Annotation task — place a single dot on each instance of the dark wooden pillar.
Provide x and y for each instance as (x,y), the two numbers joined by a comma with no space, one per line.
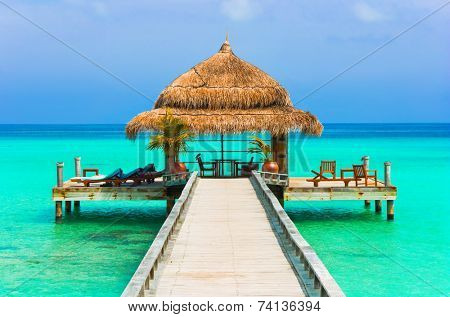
(280,152)
(170,204)
(278,191)
(68,204)
(390,209)
(377,206)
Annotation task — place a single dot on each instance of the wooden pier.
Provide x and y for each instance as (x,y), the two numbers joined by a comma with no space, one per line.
(230,238)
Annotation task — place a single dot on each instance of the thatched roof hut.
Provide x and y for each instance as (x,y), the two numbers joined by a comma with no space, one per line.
(225,94)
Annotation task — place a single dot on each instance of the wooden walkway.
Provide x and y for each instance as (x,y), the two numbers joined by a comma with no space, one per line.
(225,247)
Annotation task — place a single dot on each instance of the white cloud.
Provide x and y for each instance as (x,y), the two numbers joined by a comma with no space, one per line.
(240,9)
(366,13)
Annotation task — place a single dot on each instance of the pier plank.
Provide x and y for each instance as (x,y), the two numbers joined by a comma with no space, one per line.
(226,247)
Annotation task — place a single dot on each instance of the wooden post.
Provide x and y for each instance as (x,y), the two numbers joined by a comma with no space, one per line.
(387,174)
(59,183)
(58,210)
(76,204)
(280,152)
(378,206)
(77,166)
(387,183)
(68,204)
(390,209)
(59,174)
(365,160)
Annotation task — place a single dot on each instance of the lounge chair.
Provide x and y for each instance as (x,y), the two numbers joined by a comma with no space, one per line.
(360,172)
(328,167)
(139,175)
(136,173)
(109,180)
(246,169)
(204,169)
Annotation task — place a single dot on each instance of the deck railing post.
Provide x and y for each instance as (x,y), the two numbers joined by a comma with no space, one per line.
(365,160)
(59,174)
(387,174)
(77,166)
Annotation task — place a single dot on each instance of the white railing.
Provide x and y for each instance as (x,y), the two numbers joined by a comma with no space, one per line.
(145,273)
(323,281)
(275,178)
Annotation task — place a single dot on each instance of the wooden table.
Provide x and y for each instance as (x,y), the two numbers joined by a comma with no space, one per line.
(220,166)
(345,170)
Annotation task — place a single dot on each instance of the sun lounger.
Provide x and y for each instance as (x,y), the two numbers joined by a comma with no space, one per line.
(109,180)
(146,174)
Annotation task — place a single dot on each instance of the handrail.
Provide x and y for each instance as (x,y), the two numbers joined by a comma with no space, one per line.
(311,261)
(145,273)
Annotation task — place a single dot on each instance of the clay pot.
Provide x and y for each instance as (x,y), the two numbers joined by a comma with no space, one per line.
(179,167)
(270,167)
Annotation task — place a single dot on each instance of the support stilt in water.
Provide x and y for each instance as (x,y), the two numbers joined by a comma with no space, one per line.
(365,160)
(278,191)
(76,205)
(390,209)
(377,206)
(169,206)
(59,183)
(58,210)
(68,204)
(387,183)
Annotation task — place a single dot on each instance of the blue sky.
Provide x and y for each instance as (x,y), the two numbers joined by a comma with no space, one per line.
(300,43)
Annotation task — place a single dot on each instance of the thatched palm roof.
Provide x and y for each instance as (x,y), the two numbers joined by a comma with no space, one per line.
(225,94)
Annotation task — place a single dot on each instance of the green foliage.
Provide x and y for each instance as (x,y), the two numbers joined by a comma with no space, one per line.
(262,148)
(172,137)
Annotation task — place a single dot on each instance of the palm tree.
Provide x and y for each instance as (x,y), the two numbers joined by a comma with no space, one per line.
(262,148)
(172,139)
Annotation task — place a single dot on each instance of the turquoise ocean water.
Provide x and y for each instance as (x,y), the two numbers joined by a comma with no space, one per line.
(95,252)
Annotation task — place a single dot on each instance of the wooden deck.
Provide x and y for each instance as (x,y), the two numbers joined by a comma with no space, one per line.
(72,191)
(300,189)
(226,247)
